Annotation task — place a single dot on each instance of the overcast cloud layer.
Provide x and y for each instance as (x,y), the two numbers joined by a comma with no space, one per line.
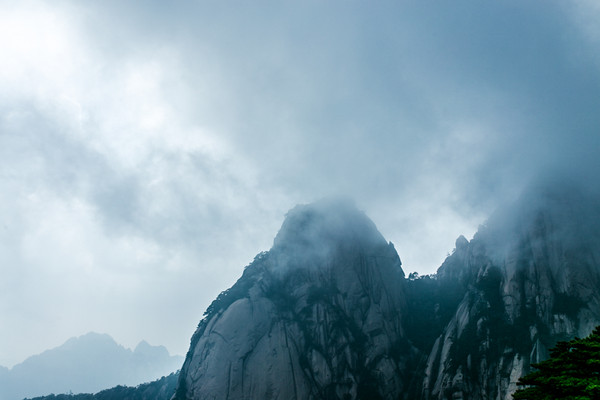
(149,150)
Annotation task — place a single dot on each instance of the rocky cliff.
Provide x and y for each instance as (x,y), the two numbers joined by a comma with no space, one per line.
(530,277)
(318,316)
(328,314)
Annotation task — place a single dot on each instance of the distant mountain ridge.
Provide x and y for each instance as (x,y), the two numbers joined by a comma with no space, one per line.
(85,364)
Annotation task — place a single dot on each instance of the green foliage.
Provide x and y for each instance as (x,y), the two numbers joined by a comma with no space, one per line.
(240,288)
(433,304)
(567,304)
(572,372)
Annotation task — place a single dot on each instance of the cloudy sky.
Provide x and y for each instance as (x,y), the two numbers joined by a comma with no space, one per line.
(148,150)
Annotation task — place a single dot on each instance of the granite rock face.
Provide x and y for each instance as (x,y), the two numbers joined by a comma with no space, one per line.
(531,278)
(318,316)
(328,314)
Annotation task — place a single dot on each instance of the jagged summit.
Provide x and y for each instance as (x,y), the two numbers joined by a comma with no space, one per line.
(557,210)
(556,213)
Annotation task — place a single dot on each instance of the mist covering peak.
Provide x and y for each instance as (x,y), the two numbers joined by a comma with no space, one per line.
(558,211)
(325,226)
(328,313)
(320,315)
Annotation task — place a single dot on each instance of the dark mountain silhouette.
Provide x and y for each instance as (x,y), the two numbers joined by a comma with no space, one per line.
(161,389)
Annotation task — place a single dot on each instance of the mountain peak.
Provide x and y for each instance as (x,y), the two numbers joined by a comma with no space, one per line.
(318,316)
(461,242)
(324,226)
(327,313)
(147,350)
(142,346)
(90,340)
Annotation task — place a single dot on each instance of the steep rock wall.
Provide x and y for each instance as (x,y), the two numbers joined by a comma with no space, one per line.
(532,278)
(318,316)
(328,314)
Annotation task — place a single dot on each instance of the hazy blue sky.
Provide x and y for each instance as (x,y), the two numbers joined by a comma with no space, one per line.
(149,150)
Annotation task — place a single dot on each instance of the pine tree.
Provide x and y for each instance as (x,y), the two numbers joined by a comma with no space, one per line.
(572,372)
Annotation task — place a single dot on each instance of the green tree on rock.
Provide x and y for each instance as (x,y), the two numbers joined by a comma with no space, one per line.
(572,372)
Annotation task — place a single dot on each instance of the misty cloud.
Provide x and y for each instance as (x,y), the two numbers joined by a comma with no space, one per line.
(148,152)
(314,235)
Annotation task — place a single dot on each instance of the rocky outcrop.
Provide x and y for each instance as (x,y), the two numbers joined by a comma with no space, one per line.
(318,316)
(532,278)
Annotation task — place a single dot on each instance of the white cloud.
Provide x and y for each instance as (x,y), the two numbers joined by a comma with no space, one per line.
(150,151)
(37,47)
